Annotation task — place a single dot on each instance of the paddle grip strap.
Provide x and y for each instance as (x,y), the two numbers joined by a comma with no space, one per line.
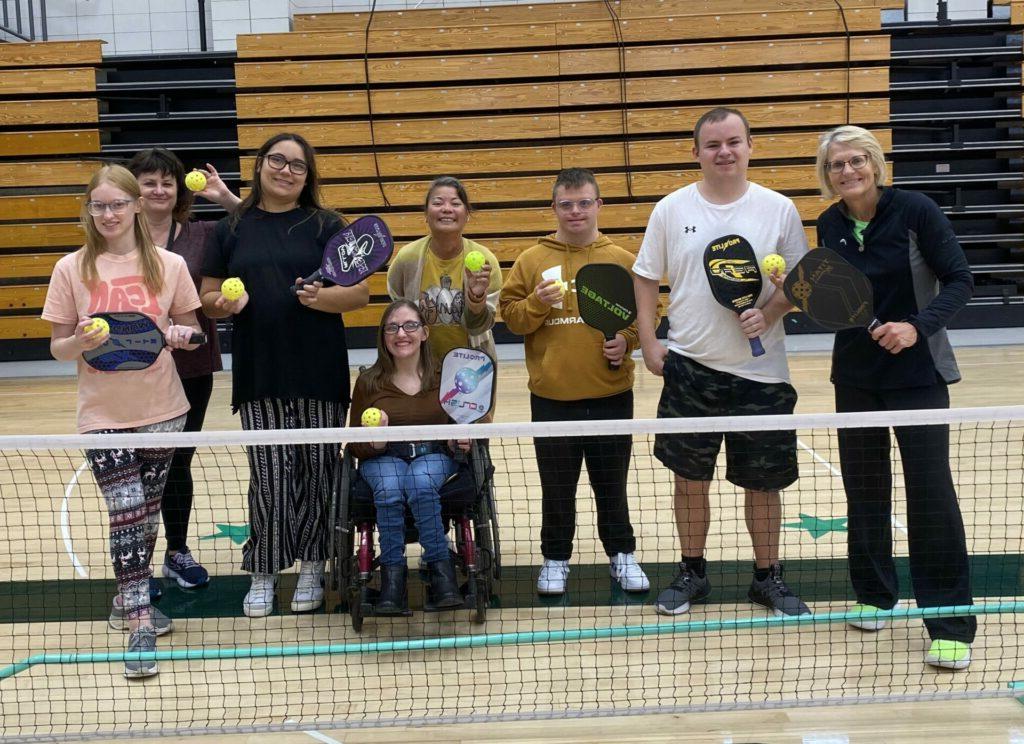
(756,349)
(314,277)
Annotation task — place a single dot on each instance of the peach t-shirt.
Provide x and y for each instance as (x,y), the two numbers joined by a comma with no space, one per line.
(123,400)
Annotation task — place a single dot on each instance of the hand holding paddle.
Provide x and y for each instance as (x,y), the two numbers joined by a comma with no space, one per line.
(607,303)
(351,255)
(134,342)
(735,280)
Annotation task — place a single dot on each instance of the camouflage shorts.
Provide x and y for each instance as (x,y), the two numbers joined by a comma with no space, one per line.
(760,460)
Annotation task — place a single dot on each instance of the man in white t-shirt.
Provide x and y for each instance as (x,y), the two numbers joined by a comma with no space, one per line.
(708,366)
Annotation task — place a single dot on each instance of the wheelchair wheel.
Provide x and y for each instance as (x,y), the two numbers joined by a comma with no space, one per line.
(355,607)
(487,524)
(339,534)
(483,599)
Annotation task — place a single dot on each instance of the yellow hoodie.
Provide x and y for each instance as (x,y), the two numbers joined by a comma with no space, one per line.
(563,355)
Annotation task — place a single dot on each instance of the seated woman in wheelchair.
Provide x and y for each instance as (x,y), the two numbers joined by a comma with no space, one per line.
(403,383)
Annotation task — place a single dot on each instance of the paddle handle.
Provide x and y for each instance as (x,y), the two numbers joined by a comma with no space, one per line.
(197,337)
(756,349)
(315,276)
(874,324)
(611,365)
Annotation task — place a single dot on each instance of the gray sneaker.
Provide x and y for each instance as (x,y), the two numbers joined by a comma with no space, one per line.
(143,639)
(162,625)
(685,588)
(775,595)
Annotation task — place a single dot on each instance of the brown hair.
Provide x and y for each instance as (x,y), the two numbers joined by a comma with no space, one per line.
(310,199)
(575,178)
(715,115)
(164,162)
(383,370)
(120,178)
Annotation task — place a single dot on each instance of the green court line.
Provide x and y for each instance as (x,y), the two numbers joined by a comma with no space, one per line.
(503,639)
(815,580)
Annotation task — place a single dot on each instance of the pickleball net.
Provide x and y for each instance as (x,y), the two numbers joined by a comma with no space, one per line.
(596,649)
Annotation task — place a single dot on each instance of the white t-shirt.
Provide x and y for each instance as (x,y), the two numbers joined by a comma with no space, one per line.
(681,226)
(125,399)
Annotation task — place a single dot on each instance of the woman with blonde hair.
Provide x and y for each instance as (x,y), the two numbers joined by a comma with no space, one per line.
(120,270)
(907,248)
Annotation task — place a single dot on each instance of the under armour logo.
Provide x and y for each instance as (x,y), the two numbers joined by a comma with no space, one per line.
(689,228)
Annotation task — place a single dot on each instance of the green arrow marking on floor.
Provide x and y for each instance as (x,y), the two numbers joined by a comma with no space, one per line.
(817,527)
(238,534)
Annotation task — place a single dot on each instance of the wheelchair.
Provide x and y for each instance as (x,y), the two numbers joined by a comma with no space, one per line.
(467,509)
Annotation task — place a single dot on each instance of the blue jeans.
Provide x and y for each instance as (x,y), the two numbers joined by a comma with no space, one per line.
(396,482)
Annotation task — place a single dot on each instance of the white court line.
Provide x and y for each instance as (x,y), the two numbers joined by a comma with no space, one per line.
(316,734)
(65,528)
(322,737)
(832,468)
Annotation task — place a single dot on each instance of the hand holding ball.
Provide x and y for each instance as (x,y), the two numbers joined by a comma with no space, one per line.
(773,263)
(232,289)
(371,417)
(100,324)
(475,261)
(195,181)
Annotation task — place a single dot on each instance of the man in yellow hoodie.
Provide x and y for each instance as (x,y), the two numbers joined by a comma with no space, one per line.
(538,301)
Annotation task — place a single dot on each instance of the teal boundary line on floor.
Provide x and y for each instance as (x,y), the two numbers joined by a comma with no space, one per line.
(505,639)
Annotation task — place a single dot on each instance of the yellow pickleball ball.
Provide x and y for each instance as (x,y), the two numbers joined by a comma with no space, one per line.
(773,263)
(563,286)
(371,417)
(232,288)
(195,181)
(475,260)
(98,323)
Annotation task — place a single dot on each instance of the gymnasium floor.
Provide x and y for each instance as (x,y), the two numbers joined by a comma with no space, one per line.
(702,669)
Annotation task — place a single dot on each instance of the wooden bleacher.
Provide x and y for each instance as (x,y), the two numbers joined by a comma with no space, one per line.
(49,114)
(504,97)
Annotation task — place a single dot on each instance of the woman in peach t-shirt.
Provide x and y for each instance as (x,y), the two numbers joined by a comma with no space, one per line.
(120,270)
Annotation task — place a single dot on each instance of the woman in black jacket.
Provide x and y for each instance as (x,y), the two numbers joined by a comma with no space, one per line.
(907,248)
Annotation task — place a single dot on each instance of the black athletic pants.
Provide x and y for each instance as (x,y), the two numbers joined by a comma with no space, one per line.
(939,567)
(559,460)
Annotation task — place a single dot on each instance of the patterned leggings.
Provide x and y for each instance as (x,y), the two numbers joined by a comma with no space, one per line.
(132,482)
(289,485)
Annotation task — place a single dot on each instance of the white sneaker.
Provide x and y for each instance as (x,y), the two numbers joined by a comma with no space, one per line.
(868,619)
(627,572)
(309,589)
(553,575)
(259,602)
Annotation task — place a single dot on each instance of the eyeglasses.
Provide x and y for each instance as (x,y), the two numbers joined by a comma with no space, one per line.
(118,206)
(278,162)
(568,206)
(856,162)
(409,326)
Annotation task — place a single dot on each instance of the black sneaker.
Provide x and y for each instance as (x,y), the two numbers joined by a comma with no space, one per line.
(685,588)
(775,595)
(184,569)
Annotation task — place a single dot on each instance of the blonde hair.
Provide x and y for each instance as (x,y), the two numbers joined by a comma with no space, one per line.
(95,244)
(857,137)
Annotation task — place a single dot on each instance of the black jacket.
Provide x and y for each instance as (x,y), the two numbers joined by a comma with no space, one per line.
(919,274)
